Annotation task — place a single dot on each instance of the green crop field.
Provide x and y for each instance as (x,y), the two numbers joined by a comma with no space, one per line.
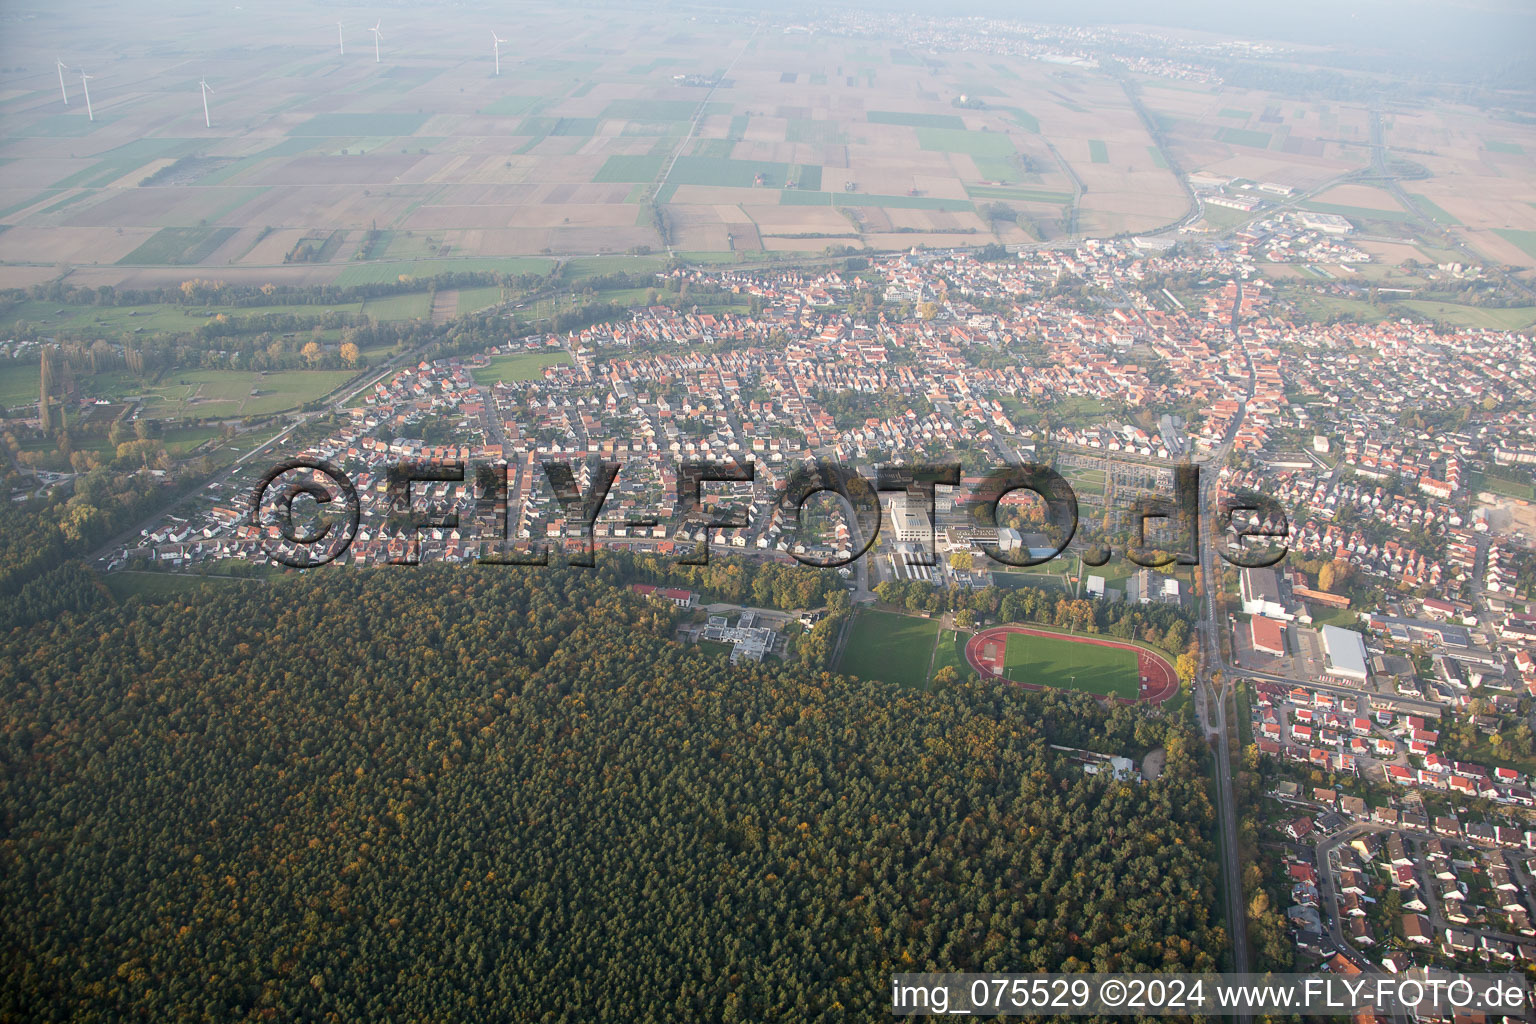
(410,306)
(567,127)
(1526,240)
(1067,664)
(803,129)
(382,273)
(472,300)
(1019,195)
(180,442)
(58,126)
(998,168)
(361,125)
(642,167)
(162,317)
(950,140)
(1508,318)
(583,268)
(1024,119)
(514,106)
(519,366)
(1244,137)
(1503,147)
(945,121)
(891,648)
(201,393)
(20,382)
(1157,157)
(659,110)
(116,162)
(1241,115)
(1435,212)
(1098,152)
(179,246)
(1361,212)
(795,197)
(228,392)
(708,170)
(899,202)
(720,148)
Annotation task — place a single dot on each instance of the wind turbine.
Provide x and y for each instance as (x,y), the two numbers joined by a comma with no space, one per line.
(84,78)
(341,42)
(496,42)
(61,80)
(376,37)
(206,90)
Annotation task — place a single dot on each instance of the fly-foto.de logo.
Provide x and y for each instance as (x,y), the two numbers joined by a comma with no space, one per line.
(327,536)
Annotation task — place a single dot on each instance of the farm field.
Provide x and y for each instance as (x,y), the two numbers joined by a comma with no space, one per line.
(1513,318)
(1482,179)
(474,299)
(889,647)
(172,318)
(323,167)
(411,306)
(228,393)
(326,167)
(188,393)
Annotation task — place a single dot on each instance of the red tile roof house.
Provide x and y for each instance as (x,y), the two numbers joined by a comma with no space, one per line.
(1298,828)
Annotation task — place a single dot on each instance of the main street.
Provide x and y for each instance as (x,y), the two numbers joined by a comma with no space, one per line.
(1212,690)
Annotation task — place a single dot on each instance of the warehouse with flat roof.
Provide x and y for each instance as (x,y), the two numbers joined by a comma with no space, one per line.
(1345,650)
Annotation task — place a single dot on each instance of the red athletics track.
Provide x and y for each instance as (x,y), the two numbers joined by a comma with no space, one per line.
(986,650)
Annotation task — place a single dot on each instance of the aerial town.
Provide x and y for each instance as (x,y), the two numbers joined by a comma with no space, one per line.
(1384,688)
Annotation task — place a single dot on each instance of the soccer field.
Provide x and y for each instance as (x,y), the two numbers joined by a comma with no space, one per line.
(1068,664)
(890,648)
(518,366)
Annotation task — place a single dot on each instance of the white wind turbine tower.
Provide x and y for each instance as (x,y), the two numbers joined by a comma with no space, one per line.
(207,123)
(341,42)
(61,81)
(496,42)
(84,78)
(376,38)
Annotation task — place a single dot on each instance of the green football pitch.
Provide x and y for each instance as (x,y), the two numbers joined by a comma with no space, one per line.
(1067,664)
(891,648)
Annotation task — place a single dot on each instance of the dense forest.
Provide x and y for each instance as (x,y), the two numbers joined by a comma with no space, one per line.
(457,794)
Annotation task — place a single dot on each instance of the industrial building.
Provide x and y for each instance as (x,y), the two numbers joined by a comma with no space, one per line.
(909,520)
(1327,223)
(1345,650)
(1261,595)
(1268,635)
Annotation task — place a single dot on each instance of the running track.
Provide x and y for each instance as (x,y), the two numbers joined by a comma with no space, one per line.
(1159,681)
